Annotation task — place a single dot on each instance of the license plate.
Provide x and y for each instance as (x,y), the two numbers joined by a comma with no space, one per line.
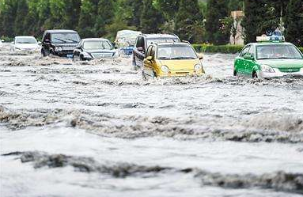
(69,55)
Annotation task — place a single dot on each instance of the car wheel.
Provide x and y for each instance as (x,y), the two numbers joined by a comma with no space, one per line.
(144,76)
(82,58)
(235,73)
(255,75)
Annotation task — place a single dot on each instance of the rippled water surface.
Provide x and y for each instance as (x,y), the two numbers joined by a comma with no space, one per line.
(97,129)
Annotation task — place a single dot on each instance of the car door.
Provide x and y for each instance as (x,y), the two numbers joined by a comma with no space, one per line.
(139,51)
(78,50)
(46,42)
(148,64)
(250,63)
(240,63)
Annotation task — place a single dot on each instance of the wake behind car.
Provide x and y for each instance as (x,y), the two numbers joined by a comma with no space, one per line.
(172,60)
(59,42)
(94,48)
(25,43)
(269,60)
(144,41)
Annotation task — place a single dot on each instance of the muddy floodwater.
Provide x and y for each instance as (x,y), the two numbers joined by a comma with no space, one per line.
(97,129)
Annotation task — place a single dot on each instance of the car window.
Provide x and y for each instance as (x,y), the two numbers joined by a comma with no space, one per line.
(245,50)
(278,52)
(140,42)
(251,50)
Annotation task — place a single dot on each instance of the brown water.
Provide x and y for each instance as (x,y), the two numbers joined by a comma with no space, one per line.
(98,129)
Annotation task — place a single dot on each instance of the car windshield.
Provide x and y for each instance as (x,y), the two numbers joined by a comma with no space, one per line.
(26,41)
(173,52)
(278,52)
(161,40)
(97,45)
(65,38)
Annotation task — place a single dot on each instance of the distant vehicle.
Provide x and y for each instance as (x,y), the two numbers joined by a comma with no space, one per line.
(143,41)
(125,41)
(25,43)
(269,59)
(59,42)
(94,48)
(1,42)
(172,60)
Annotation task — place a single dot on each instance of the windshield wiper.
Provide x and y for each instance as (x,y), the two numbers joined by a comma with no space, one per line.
(72,40)
(60,39)
(164,58)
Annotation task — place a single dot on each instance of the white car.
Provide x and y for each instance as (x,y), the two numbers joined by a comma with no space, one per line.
(1,42)
(25,43)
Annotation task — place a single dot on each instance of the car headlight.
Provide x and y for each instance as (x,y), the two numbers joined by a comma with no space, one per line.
(86,55)
(198,67)
(58,49)
(165,69)
(268,69)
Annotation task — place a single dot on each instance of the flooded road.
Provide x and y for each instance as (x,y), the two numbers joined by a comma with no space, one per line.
(97,129)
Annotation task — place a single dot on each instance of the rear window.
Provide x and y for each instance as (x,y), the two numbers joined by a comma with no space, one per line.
(161,40)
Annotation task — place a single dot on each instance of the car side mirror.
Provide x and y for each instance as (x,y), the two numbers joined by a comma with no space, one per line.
(200,56)
(249,56)
(140,49)
(149,58)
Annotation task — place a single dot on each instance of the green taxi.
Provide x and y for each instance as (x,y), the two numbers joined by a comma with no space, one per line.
(269,60)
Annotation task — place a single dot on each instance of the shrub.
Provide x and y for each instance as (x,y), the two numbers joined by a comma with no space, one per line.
(217,49)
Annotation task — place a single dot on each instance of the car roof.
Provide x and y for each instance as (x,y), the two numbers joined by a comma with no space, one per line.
(159,36)
(173,43)
(94,39)
(60,31)
(25,37)
(270,43)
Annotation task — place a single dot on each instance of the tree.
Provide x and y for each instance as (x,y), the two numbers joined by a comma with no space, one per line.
(294,22)
(151,19)
(9,13)
(217,13)
(87,18)
(105,16)
(189,20)
(260,17)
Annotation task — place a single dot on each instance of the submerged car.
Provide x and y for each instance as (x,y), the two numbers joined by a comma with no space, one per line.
(143,41)
(269,60)
(25,43)
(94,48)
(125,41)
(172,60)
(59,42)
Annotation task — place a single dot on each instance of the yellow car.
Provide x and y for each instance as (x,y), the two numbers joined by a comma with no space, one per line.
(172,60)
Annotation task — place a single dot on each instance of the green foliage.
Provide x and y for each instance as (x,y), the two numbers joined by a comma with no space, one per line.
(216,27)
(260,16)
(217,48)
(104,16)
(189,21)
(87,18)
(301,49)
(151,19)
(294,22)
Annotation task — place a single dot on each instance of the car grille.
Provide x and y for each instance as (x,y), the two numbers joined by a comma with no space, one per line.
(68,48)
(289,70)
(102,55)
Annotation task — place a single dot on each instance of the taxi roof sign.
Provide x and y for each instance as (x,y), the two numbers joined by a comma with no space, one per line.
(272,38)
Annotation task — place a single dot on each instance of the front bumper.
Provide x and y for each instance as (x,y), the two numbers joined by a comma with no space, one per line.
(279,74)
(182,74)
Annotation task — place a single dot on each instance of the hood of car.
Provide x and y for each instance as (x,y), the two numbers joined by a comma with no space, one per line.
(26,46)
(180,64)
(282,63)
(99,51)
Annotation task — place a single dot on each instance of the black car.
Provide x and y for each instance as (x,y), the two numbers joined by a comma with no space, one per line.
(94,48)
(143,41)
(59,42)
